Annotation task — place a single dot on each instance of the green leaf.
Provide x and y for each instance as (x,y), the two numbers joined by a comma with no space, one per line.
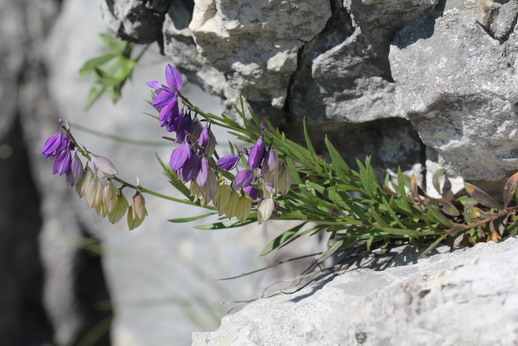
(281,239)
(433,245)
(95,92)
(481,197)
(225,224)
(193,218)
(338,163)
(402,192)
(510,189)
(309,145)
(437,216)
(89,66)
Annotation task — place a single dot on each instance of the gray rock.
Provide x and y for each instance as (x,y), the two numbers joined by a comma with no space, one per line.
(224,32)
(465,297)
(458,87)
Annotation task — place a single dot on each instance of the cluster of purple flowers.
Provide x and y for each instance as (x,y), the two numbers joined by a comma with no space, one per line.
(66,161)
(261,163)
(189,159)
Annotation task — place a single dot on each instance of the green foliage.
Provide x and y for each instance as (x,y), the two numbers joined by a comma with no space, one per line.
(111,70)
(321,197)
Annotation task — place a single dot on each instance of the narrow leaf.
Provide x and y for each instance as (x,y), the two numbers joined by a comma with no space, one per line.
(510,189)
(189,219)
(281,239)
(481,197)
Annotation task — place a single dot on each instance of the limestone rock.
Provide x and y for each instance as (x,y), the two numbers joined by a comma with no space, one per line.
(458,86)
(225,31)
(463,297)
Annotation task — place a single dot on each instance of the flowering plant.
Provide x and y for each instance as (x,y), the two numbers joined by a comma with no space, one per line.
(277,178)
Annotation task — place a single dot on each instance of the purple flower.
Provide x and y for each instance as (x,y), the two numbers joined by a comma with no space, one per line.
(257,154)
(203,175)
(244,178)
(179,157)
(75,173)
(63,162)
(166,97)
(252,192)
(228,162)
(168,114)
(54,144)
(204,138)
(186,127)
(191,168)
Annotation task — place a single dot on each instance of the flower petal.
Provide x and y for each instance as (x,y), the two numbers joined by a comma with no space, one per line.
(162,99)
(179,157)
(257,154)
(173,77)
(228,162)
(244,178)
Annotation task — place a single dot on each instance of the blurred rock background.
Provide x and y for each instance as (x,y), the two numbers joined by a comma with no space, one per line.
(415,83)
(68,276)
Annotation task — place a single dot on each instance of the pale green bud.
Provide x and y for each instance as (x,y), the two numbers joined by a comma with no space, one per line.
(137,212)
(283,179)
(84,182)
(194,190)
(243,208)
(119,209)
(105,166)
(211,147)
(139,205)
(109,196)
(94,193)
(265,210)
(232,205)
(222,197)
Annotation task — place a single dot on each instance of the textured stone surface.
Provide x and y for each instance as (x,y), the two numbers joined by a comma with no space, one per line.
(459,88)
(225,31)
(358,61)
(465,297)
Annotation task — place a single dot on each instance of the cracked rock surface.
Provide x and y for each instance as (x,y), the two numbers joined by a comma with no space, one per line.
(465,297)
(353,62)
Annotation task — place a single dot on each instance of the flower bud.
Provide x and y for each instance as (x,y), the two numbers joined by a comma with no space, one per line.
(203,175)
(265,210)
(211,186)
(283,179)
(109,196)
(230,208)
(211,147)
(76,171)
(63,162)
(204,138)
(119,209)
(191,168)
(243,208)
(228,162)
(222,197)
(257,154)
(105,166)
(84,182)
(137,212)
(94,193)
(244,178)
(52,145)
(252,192)
(179,157)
